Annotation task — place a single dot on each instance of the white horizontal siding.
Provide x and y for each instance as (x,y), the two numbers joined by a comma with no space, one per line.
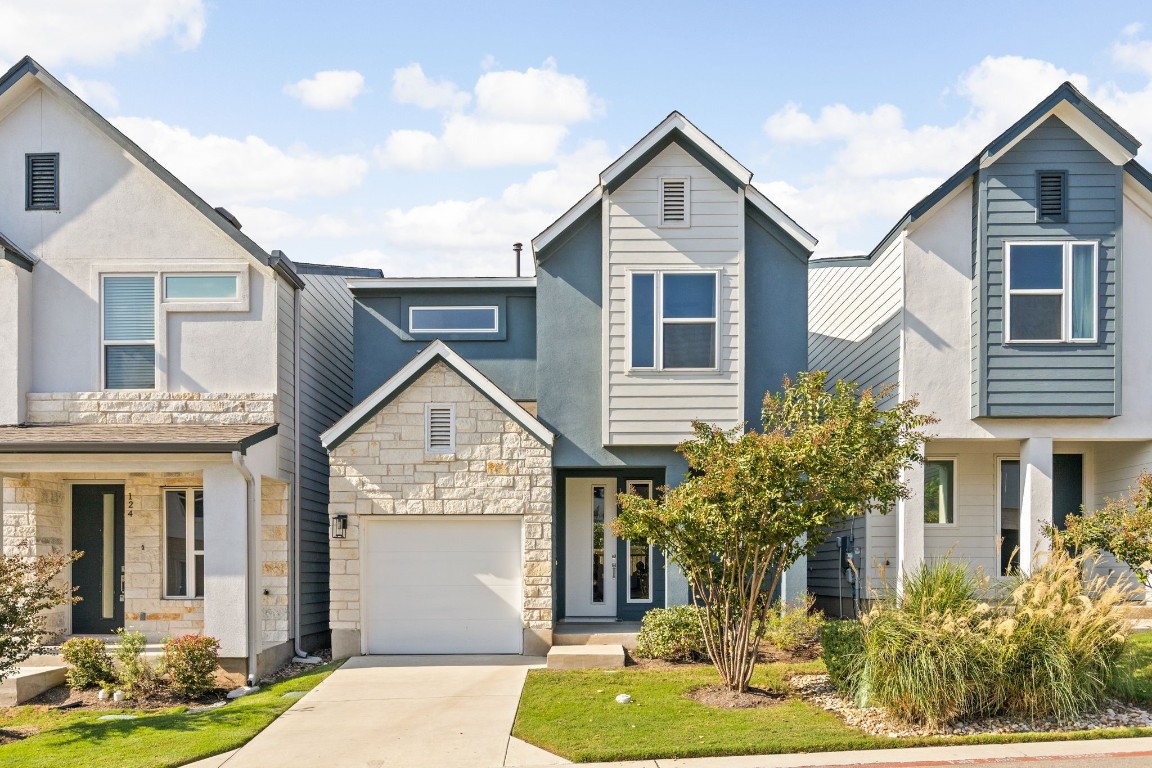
(648,408)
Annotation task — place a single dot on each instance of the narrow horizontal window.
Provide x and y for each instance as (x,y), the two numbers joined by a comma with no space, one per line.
(42,183)
(939,483)
(177,287)
(453,319)
(129,332)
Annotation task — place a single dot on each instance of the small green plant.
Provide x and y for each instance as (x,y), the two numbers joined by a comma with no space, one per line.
(135,675)
(793,627)
(1122,527)
(190,661)
(842,646)
(671,634)
(29,588)
(91,666)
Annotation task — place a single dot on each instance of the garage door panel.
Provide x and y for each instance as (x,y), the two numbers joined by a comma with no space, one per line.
(443,585)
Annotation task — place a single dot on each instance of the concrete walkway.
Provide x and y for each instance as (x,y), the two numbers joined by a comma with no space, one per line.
(410,711)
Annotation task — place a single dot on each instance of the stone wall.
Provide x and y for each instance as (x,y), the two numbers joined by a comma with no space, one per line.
(274,500)
(498,468)
(150,408)
(34,524)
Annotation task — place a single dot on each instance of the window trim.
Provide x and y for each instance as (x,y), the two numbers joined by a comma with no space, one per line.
(495,318)
(223,300)
(190,537)
(659,320)
(153,342)
(628,486)
(28,205)
(687,222)
(954,494)
(440,450)
(1065,292)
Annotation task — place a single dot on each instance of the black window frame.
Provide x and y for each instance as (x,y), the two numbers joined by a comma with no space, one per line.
(29,204)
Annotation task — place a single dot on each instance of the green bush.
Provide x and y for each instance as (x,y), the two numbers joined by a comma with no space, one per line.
(136,676)
(671,634)
(793,627)
(842,644)
(190,662)
(90,664)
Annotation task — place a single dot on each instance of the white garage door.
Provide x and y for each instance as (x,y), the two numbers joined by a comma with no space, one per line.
(442,585)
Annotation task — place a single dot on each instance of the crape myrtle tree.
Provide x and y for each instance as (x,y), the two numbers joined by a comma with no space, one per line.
(754,502)
(1122,527)
(29,586)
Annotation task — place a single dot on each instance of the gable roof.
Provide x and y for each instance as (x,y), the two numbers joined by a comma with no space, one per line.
(674,129)
(416,367)
(9,251)
(28,67)
(1066,103)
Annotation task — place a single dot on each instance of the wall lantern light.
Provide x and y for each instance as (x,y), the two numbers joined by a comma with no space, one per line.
(340,527)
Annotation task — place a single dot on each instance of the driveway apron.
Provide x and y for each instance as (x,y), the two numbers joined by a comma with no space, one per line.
(412,711)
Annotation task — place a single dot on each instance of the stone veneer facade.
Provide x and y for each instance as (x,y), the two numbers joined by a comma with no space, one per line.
(498,468)
(150,408)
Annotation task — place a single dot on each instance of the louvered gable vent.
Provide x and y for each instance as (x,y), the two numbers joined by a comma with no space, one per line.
(1053,196)
(674,201)
(43,182)
(441,428)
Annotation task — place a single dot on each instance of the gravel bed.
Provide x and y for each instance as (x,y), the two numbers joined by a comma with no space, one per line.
(293,668)
(873,720)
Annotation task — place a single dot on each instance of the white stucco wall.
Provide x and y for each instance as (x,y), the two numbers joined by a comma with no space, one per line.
(15,340)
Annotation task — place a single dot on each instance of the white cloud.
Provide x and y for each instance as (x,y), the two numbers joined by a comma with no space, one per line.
(520,118)
(411,86)
(97,94)
(330,89)
(85,32)
(229,171)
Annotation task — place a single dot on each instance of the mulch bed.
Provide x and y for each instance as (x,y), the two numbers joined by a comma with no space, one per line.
(721,698)
(62,697)
(9,735)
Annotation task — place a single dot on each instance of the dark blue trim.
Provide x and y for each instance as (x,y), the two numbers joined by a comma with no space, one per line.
(1139,174)
(676,136)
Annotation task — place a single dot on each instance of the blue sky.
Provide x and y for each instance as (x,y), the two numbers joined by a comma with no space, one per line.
(425,138)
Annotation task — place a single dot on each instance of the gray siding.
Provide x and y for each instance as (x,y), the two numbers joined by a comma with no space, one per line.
(383,346)
(826,580)
(285,376)
(325,396)
(1048,379)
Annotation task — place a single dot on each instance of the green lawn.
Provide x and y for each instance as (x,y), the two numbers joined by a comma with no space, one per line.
(574,714)
(158,740)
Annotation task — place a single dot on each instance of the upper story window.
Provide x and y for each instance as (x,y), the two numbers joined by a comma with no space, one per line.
(42,182)
(939,491)
(440,428)
(1051,293)
(129,331)
(675,202)
(674,320)
(200,287)
(453,319)
(1051,196)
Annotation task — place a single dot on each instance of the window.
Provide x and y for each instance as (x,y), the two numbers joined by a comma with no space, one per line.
(129,336)
(178,287)
(939,491)
(440,428)
(184,543)
(453,319)
(674,320)
(639,555)
(42,182)
(1052,196)
(674,202)
(1051,292)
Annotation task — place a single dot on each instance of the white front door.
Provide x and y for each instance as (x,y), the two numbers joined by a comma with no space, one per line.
(590,548)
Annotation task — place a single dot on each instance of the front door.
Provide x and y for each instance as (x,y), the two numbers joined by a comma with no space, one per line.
(1067,487)
(590,549)
(98,576)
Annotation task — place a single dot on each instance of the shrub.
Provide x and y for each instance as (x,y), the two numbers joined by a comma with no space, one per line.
(793,627)
(671,634)
(136,676)
(29,587)
(842,645)
(190,661)
(1122,527)
(91,666)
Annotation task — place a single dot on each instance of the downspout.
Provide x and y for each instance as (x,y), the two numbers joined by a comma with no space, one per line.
(250,602)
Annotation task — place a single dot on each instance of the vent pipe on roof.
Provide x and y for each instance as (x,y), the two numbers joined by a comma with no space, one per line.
(517,247)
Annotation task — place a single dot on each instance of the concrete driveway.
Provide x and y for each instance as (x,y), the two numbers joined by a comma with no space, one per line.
(411,711)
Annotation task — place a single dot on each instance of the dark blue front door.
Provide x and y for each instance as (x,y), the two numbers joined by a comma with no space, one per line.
(98,532)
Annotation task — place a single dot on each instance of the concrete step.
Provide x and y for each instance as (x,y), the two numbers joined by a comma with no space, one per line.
(599,656)
(588,633)
(30,682)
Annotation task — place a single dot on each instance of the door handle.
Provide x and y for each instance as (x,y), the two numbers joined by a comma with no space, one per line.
(121,583)
(613,566)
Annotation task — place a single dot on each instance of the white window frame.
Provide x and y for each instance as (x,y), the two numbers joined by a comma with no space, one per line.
(628,484)
(154,342)
(495,319)
(955,494)
(440,450)
(659,319)
(687,202)
(199,299)
(1064,292)
(189,536)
